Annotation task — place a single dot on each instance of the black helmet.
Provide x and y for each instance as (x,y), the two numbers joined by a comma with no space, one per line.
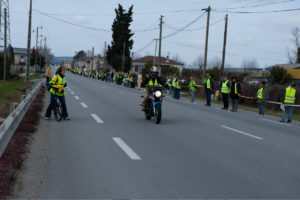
(153,72)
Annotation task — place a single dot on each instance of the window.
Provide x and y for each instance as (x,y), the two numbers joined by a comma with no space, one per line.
(141,67)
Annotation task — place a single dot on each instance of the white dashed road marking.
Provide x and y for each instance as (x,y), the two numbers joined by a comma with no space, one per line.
(84,105)
(130,153)
(97,119)
(76,97)
(241,132)
(72,92)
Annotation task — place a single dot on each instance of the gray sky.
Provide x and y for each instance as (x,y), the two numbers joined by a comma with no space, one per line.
(261,36)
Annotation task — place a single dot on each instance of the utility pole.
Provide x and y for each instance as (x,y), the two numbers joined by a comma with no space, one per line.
(206,41)
(160,37)
(36,45)
(224,45)
(154,61)
(41,43)
(104,53)
(0,18)
(132,60)
(123,62)
(5,48)
(45,47)
(92,58)
(28,43)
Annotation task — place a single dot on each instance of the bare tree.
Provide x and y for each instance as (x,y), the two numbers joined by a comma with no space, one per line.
(293,55)
(248,64)
(198,63)
(215,62)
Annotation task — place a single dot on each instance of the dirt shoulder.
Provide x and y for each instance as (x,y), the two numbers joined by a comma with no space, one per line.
(30,179)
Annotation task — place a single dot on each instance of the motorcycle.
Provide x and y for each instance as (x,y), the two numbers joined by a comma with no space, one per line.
(153,107)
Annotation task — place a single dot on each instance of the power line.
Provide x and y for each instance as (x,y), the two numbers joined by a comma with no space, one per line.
(257,5)
(196,29)
(71,23)
(88,27)
(184,27)
(253,12)
(144,47)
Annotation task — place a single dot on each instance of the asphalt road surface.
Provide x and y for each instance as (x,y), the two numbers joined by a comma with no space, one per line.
(108,150)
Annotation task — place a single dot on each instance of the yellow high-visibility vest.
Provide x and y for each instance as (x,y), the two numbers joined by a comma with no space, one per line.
(225,89)
(290,95)
(208,84)
(59,81)
(260,93)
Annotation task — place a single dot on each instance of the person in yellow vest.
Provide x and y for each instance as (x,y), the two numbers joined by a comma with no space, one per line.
(262,96)
(235,92)
(168,85)
(177,88)
(129,80)
(174,80)
(225,90)
(58,84)
(149,82)
(208,85)
(192,86)
(289,101)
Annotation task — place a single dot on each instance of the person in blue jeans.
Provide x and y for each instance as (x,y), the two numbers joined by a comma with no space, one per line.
(261,97)
(289,101)
(58,84)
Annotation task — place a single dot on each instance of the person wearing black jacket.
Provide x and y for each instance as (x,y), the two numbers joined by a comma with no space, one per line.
(235,92)
(148,82)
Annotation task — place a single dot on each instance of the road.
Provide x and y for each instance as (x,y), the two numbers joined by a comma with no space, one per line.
(108,150)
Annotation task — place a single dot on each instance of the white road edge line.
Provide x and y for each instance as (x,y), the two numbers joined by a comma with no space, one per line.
(130,153)
(268,120)
(84,105)
(76,97)
(97,119)
(241,132)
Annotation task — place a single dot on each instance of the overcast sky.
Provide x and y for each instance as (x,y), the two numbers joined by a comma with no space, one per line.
(264,36)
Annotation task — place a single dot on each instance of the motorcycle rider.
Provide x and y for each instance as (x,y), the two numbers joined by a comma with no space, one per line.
(152,80)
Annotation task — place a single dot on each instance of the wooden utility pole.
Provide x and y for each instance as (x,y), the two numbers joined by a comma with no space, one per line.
(28,43)
(92,59)
(40,50)
(160,37)
(132,60)
(123,62)
(224,45)
(206,41)
(45,47)
(0,17)
(154,60)
(36,45)
(5,45)
(104,53)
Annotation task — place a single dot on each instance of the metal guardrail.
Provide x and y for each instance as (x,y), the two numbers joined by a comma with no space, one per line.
(11,123)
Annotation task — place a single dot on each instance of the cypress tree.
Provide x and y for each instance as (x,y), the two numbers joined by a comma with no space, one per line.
(121,34)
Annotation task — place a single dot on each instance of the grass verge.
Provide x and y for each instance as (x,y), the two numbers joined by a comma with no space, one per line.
(12,91)
(14,155)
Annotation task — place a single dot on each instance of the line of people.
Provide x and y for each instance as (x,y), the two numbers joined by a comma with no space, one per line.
(228,89)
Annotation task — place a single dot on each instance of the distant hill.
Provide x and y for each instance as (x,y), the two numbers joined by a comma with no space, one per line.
(58,60)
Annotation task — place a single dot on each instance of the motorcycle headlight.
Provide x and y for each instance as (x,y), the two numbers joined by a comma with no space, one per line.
(158,94)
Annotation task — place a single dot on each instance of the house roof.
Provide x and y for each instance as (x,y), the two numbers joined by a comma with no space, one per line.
(20,50)
(287,66)
(164,61)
